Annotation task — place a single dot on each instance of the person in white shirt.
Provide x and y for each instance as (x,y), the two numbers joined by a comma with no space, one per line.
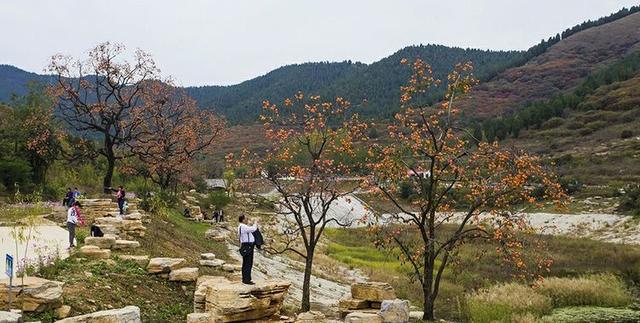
(245,233)
(72,222)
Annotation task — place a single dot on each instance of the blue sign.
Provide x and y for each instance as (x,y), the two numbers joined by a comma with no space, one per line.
(9,270)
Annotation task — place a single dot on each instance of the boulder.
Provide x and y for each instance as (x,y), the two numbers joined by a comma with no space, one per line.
(394,311)
(416,315)
(140,260)
(184,275)
(228,301)
(94,252)
(164,265)
(372,291)
(34,295)
(198,318)
(310,317)
(10,317)
(129,314)
(352,304)
(216,263)
(126,244)
(63,311)
(361,317)
(231,267)
(101,242)
(207,256)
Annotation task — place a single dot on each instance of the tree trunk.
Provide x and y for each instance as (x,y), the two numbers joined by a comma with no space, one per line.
(306,284)
(427,284)
(111,162)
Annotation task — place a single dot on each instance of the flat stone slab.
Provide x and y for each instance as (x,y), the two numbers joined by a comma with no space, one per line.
(372,291)
(231,267)
(164,265)
(360,317)
(105,242)
(129,314)
(207,256)
(216,263)
(198,318)
(140,260)
(126,244)
(10,317)
(34,295)
(94,252)
(187,274)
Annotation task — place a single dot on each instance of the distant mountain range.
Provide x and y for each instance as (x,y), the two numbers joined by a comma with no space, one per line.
(510,78)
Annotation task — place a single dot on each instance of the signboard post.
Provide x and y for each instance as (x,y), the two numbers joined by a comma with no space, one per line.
(9,272)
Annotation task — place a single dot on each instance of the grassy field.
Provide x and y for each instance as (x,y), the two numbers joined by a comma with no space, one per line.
(572,258)
(93,285)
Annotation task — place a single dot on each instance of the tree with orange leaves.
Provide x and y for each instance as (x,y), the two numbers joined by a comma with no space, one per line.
(97,96)
(172,132)
(311,142)
(474,190)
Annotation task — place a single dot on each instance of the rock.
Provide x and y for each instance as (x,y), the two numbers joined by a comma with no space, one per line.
(231,268)
(184,275)
(372,291)
(129,314)
(126,244)
(352,304)
(63,311)
(310,317)
(35,295)
(100,242)
(360,317)
(198,318)
(140,260)
(415,315)
(164,265)
(216,263)
(394,311)
(94,252)
(229,301)
(207,256)
(10,317)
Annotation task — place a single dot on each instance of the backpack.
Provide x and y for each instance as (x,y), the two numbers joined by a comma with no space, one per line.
(95,231)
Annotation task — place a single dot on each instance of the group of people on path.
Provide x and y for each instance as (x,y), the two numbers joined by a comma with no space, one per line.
(74,216)
(70,197)
(249,235)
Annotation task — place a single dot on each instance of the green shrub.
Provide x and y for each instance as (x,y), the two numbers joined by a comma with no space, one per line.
(630,200)
(504,302)
(592,315)
(626,134)
(596,290)
(217,199)
(596,125)
(553,123)
(575,125)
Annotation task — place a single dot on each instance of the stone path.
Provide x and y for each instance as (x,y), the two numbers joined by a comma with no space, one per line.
(49,241)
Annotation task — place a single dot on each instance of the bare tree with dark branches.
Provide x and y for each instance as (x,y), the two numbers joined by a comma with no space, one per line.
(97,97)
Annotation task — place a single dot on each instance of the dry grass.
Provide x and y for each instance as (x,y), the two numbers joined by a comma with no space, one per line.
(604,290)
(502,302)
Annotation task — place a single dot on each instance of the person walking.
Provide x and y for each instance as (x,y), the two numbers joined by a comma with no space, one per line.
(120,196)
(73,219)
(245,232)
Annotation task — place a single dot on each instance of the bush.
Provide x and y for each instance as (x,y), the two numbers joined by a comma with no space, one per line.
(630,200)
(592,315)
(552,123)
(405,189)
(596,125)
(218,200)
(626,134)
(505,302)
(15,172)
(571,185)
(597,290)
(575,125)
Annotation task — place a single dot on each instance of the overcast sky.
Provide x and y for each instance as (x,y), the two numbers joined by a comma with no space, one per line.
(211,42)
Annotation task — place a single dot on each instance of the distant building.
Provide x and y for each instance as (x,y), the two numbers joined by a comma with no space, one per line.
(216,184)
(419,173)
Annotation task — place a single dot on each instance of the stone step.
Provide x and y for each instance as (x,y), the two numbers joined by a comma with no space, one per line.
(164,265)
(215,263)
(125,244)
(106,242)
(140,260)
(187,274)
(94,252)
